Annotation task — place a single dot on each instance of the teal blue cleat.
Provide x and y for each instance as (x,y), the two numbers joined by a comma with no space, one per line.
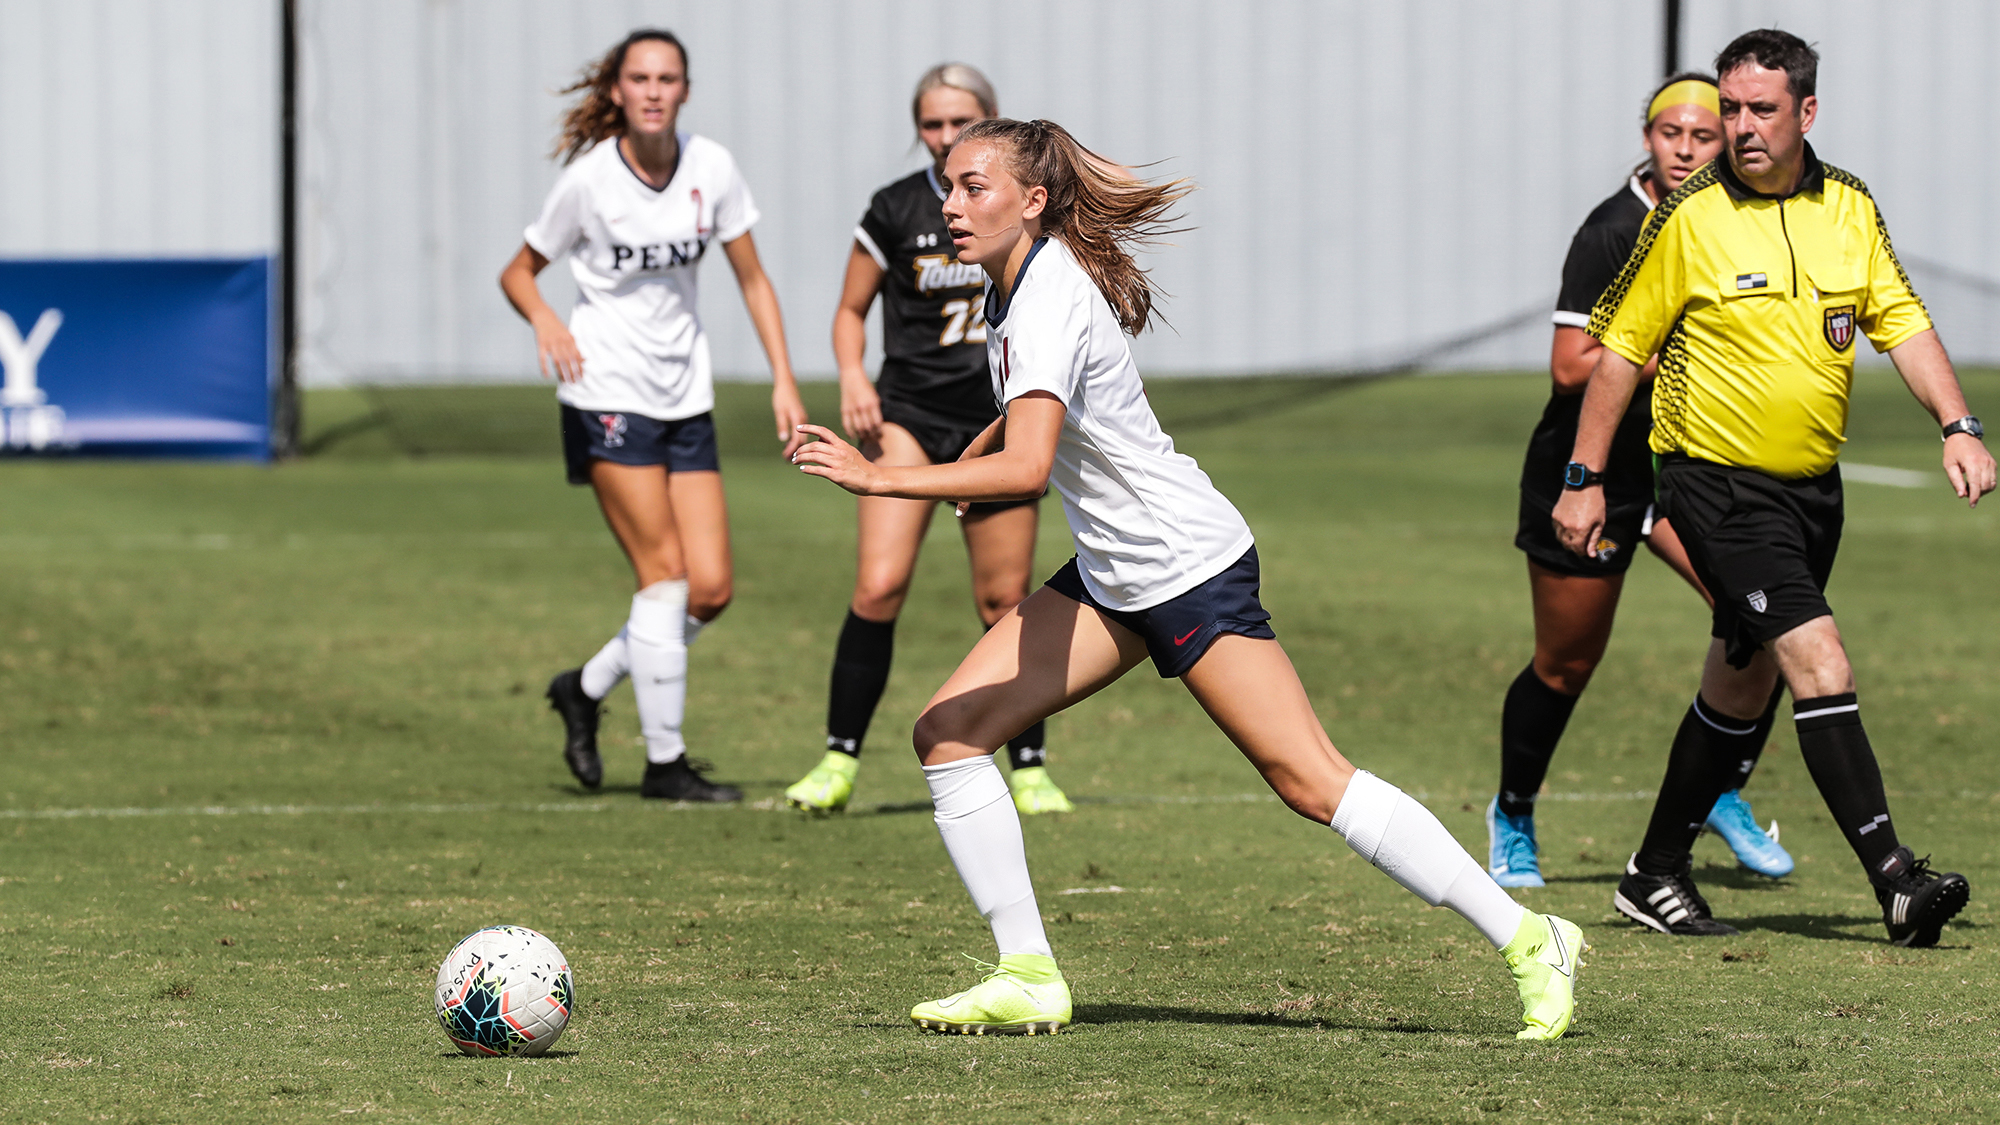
(1511,860)
(1756,848)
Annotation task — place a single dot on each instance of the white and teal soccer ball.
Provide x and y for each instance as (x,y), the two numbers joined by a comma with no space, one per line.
(504,990)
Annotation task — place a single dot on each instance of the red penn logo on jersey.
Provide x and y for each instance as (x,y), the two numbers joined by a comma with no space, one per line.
(700,231)
(1006,359)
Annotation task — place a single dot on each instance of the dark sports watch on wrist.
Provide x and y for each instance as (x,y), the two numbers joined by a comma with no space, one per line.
(1577,476)
(1966,425)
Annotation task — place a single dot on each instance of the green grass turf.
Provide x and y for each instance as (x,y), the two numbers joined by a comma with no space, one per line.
(364,635)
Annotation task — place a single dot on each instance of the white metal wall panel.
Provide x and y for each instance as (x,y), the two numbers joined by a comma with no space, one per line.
(1375,177)
(138,128)
(1908,97)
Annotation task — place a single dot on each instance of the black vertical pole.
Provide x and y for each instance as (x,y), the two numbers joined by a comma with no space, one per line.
(1671,40)
(285,410)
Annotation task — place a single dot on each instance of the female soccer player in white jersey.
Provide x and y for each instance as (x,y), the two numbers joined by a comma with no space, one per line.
(1576,598)
(931,400)
(636,210)
(1165,566)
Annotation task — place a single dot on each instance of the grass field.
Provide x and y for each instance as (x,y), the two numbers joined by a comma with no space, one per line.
(273,740)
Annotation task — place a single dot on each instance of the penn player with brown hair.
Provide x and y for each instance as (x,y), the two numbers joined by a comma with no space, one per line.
(930,400)
(1576,599)
(1165,568)
(636,209)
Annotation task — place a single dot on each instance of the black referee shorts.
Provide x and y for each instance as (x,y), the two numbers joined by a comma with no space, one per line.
(1764,547)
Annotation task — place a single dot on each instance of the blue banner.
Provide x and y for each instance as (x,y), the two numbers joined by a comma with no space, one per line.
(143,357)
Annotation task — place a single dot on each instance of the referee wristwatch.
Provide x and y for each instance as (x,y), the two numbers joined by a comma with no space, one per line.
(1966,425)
(1577,476)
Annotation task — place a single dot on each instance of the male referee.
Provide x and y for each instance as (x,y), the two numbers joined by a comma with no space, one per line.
(1752,282)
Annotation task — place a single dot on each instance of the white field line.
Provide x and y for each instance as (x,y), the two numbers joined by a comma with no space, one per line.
(1883,474)
(605,806)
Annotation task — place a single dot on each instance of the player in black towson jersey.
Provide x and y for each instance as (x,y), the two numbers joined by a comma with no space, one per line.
(934,395)
(1576,598)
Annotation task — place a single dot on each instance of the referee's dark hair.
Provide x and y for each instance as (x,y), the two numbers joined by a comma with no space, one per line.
(1773,49)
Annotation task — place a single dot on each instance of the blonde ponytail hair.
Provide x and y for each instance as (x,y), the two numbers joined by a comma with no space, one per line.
(1096,209)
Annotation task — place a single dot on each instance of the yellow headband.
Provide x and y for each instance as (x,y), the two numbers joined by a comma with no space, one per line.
(1691,91)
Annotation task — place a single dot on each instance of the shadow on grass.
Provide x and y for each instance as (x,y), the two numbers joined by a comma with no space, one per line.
(1153,1013)
(1598,877)
(1822,927)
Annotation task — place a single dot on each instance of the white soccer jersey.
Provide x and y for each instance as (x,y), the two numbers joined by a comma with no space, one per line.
(1148,524)
(635,253)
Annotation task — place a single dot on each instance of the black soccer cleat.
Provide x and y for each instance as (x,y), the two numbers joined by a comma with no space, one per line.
(1916,901)
(579,715)
(681,780)
(1667,903)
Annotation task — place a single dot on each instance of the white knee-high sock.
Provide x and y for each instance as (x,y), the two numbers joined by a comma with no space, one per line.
(658,652)
(612,663)
(692,629)
(982,833)
(1400,836)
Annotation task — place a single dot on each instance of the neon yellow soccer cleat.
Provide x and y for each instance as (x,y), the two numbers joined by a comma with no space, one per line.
(829,785)
(1544,957)
(1024,995)
(1035,792)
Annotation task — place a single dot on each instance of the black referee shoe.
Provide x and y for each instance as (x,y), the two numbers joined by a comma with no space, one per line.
(681,780)
(1916,901)
(579,716)
(1667,903)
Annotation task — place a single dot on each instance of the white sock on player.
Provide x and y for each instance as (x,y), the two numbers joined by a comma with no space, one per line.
(692,629)
(1402,838)
(659,660)
(982,833)
(612,663)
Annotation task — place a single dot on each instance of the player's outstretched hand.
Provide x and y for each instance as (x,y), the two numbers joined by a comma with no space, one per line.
(790,411)
(1579,519)
(1970,467)
(822,454)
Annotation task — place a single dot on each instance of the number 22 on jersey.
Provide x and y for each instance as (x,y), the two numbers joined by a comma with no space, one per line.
(964,321)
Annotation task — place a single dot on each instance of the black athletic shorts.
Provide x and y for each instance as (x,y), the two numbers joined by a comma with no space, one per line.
(943,439)
(1764,547)
(1625,528)
(1179,630)
(685,445)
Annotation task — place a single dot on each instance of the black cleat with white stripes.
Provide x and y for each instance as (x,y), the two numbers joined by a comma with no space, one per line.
(1916,901)
(1667,903)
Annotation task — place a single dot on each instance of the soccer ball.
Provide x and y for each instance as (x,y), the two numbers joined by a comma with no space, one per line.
(504,990)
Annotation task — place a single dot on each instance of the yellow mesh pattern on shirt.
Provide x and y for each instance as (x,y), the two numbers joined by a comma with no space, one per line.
(1602,313)
(1843,176)
(1670,392)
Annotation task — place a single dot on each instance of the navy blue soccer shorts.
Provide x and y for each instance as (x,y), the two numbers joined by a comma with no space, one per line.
(685,445)
(1179,630)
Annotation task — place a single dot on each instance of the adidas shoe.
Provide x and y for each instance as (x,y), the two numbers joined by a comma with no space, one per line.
(1667,903)
(1023,995)
(579,715)
(682,780)
(1035,792)
(829,785)
(1511,854)
(1544,956)
(1916,901)
(1756,848)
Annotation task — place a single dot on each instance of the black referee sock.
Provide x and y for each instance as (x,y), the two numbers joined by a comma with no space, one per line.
(1702,766)
(1762,739)
(1843,765)
(860,672)
(1029,747)
(1531,723)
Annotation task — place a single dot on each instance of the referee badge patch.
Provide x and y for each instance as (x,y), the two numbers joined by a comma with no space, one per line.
(1840,327)
(1758,601)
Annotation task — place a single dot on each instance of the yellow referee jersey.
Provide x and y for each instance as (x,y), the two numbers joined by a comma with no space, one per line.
(1753,303)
